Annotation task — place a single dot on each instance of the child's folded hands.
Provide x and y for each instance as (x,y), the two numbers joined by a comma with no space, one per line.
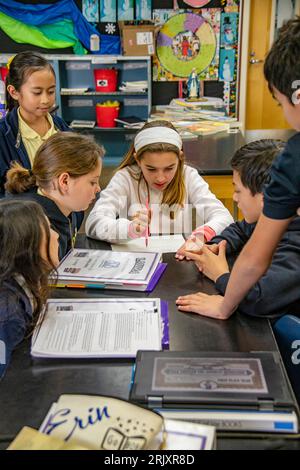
(211,260)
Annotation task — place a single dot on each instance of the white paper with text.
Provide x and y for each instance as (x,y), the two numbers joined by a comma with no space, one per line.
(98,328)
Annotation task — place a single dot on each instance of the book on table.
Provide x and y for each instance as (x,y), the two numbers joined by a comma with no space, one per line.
(104,269)
(232,391)
(100,328)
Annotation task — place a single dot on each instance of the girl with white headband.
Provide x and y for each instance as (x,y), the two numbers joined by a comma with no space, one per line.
(154,187)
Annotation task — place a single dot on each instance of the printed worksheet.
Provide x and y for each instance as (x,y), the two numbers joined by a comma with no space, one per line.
(98,328)
(156,243)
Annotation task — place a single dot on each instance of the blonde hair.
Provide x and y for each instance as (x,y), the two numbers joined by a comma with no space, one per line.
(175,193)
(63,152)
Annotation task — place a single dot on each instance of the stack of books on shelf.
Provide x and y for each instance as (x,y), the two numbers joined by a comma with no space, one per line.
(134,86)
(74,91)
(82,123)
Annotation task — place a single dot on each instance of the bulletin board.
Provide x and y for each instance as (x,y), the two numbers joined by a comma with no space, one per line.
(203,35)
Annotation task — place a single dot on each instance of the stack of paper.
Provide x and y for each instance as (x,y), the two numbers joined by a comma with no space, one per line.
(157,243)
(207,128)
(197,118)
(205,101)
(83,328)
(73,91)
(110,270)
(133,86)
(82,123)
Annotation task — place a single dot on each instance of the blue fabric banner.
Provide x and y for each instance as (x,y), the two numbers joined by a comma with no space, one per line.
(41,14)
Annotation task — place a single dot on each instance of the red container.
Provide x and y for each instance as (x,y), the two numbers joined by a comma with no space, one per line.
(106,79)
(3,73)
(105,116)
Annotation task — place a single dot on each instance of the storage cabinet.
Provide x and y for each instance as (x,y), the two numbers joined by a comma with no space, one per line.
(78,72)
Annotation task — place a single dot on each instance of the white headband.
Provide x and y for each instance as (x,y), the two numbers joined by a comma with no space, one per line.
(157,135)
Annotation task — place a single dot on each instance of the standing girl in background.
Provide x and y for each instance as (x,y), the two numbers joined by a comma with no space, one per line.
(29,252)
(154,173)
(64,179)
(30,97)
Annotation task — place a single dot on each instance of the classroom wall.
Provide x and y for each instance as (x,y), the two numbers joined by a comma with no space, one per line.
(162,92)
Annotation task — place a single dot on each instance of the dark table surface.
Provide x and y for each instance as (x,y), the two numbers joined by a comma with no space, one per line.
(211,155)
(30,385)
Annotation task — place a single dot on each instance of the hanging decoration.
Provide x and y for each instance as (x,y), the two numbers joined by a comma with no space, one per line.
(143,10)
(125,10)
(227,65)
(108,11)
(229,30)
(90,10)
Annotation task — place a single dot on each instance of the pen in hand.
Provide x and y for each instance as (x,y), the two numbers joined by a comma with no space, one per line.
(147,229)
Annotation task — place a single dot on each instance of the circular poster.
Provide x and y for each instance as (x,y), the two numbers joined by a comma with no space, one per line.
(186,41)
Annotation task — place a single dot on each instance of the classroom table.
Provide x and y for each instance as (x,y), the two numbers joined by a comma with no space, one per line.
(211,154)
(30,385)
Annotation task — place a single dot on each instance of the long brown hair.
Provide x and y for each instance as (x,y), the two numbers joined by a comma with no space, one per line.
(23,228)
(175,192)
(64,152)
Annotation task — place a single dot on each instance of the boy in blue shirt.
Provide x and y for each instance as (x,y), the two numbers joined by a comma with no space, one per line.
(251,166)
(282,195)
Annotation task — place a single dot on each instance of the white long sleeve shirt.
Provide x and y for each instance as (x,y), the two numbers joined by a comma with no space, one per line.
(122,198)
